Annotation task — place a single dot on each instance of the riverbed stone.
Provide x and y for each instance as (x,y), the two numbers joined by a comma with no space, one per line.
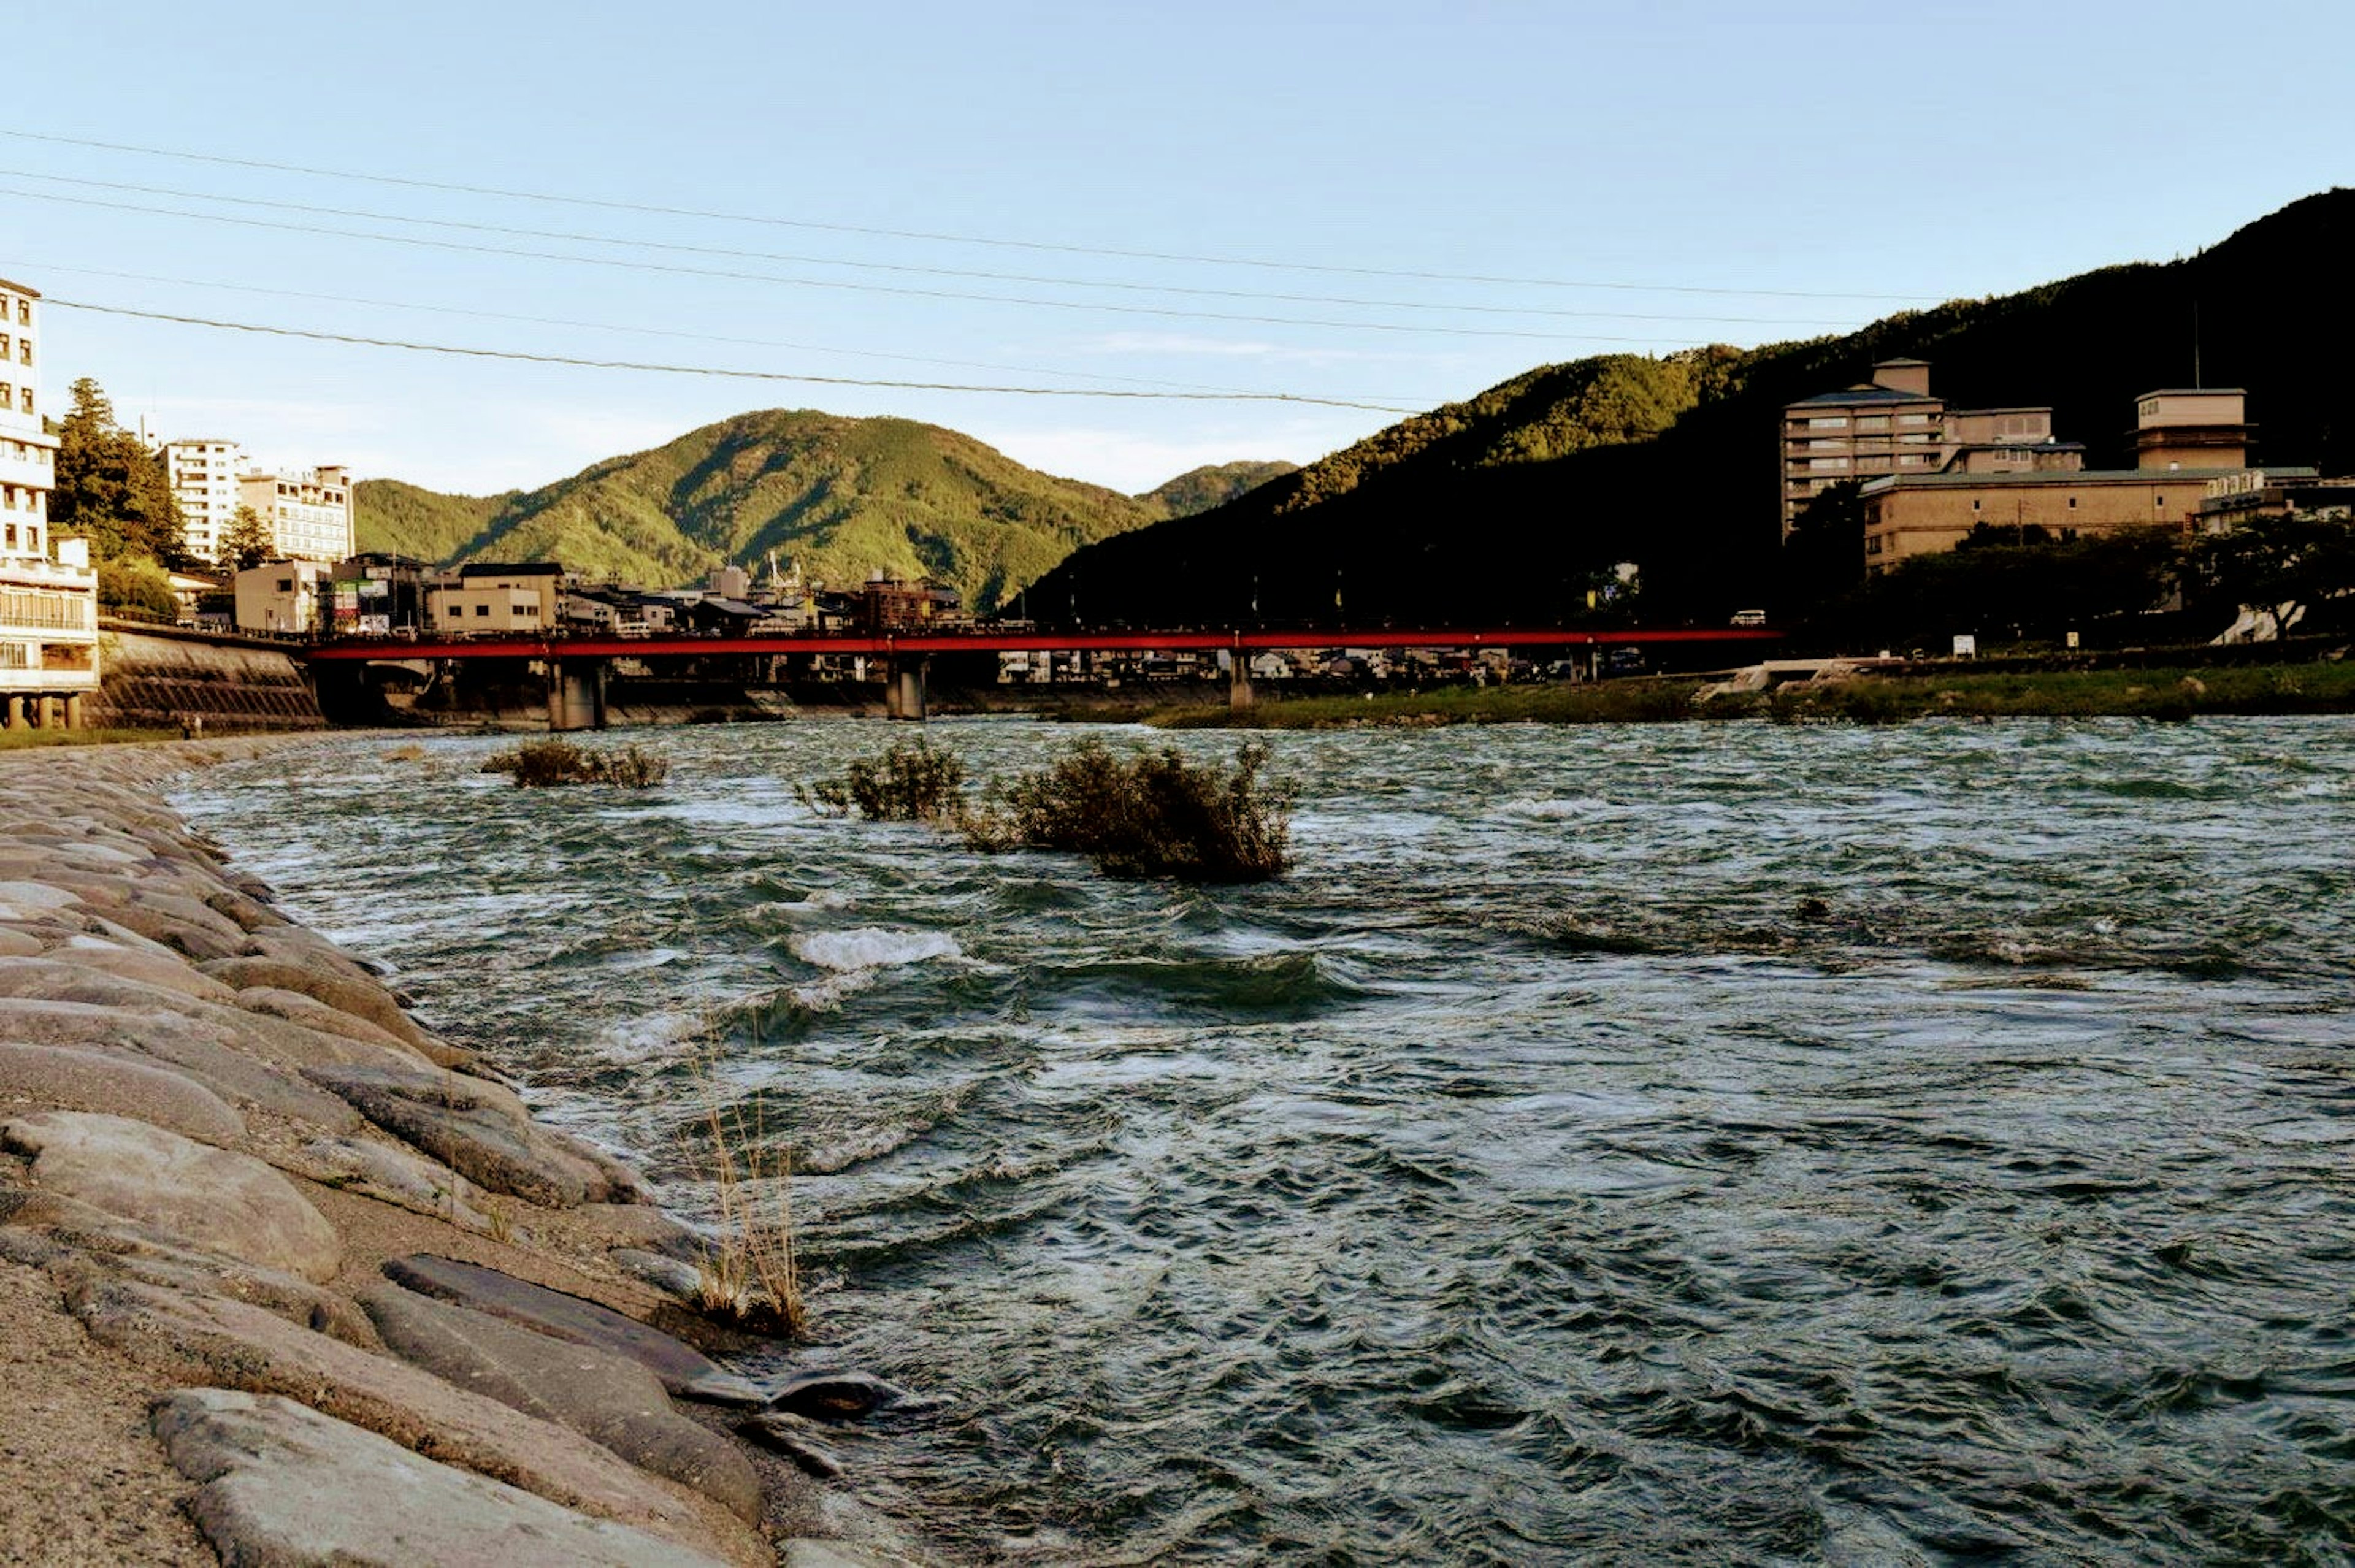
(477,1130)
(843,1396)
(294,1007)
(664,1272)
(684,1369)
(53,1077)
(201,944)
(398,1174)
(609,1399)
(283,1484)
(208,1338)
(202,1050)
(218,1201)
(146,968)
(250,914)
(346,991)
(75,1243)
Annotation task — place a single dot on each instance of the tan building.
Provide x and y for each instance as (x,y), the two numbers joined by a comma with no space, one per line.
(48,594)
(1911,515)
(203,474)
(283,598)
(508,598)
(309,511)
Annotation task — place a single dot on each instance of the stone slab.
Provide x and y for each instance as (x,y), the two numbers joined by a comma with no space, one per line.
(282,1486)
(58,1077)
(683,1370)
(477,1130)
(220,1201)
(609,1399)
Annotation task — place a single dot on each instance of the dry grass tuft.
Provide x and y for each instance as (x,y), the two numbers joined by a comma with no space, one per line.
(750,1275)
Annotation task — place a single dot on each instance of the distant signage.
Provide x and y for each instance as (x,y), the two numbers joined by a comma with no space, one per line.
(376,573)
(374,588)
(376,625)
(347,600)
(1967,645)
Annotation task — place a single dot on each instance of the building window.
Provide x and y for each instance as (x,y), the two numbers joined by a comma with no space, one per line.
(482,609)
(2072,502)
(1872,422)
(1975,505)
(1835,421)
(1912,419)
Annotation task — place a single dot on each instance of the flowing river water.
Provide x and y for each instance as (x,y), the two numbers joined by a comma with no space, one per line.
(1707,1143)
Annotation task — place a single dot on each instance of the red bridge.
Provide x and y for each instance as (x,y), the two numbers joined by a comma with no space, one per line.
(576,663)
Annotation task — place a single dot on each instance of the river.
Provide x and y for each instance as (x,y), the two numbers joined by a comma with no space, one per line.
(1709,1143)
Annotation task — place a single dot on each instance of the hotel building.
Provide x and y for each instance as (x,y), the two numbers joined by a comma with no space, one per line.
(48,594)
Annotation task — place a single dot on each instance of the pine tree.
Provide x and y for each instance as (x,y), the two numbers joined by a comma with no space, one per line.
(110,487)
(248,543)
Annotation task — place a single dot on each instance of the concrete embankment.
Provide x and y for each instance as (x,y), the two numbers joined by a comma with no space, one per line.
(162,679)
(287,1277)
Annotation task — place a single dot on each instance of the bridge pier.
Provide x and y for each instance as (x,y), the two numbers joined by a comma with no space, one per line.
(576,695)
(1239,687)
(903,687)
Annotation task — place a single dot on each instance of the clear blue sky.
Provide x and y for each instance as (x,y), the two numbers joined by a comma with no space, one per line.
(1853,150)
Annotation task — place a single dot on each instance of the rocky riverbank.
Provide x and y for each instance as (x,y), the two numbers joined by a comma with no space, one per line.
(287,1278)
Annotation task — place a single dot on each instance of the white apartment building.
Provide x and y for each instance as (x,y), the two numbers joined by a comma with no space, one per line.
(309,511)
(48,594)
(203,474)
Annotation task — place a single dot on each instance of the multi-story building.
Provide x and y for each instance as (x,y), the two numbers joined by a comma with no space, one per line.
(203,474)
(309,511)
(283,598)
(48,594)
(1919,514)
(495,596)
(1892,425)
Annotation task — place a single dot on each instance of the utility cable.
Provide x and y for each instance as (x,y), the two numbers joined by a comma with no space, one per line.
(642,367)
(677,270)
(268,292)
(573,237)
(940,237)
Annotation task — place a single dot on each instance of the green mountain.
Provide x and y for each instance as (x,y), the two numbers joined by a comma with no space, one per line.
(404,519)
(1200,489)
(843,497)
(1506,507)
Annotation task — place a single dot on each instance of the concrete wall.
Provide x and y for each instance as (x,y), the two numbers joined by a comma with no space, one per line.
(151,681)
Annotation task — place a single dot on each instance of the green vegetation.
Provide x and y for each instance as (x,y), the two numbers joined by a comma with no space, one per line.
(248,543)
(1148,814)
(909,782)
(405,519)
(21,738)
(841,496)
(550,763)
(2325,686)
(1200,489)
(1501,508)
(111,491)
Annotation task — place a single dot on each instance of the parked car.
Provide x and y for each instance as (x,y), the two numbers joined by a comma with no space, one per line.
(1749,617)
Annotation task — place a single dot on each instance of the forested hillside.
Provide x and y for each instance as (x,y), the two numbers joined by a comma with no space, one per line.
(1507,506)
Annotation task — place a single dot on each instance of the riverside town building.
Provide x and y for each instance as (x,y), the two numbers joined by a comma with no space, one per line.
(48,594)
(308,510)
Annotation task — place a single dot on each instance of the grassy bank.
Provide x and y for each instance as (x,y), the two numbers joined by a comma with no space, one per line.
(2322,686)
(18,740)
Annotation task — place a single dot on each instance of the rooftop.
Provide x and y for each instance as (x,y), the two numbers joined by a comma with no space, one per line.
(2080,477)
(1868,394)
(25,289)
(2194,392)
(511,569)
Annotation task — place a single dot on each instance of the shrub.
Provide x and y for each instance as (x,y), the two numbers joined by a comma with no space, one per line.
(551,762)
(909,782)
(1150,813)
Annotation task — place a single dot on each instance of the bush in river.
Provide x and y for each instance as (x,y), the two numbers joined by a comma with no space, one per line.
(1149,814)
(909,782)
(553,762)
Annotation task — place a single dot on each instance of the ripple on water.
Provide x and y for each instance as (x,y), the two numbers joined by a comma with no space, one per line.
(1693,1143)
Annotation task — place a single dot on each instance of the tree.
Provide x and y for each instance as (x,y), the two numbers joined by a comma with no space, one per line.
(248,543)
(110,487)
(2281,567)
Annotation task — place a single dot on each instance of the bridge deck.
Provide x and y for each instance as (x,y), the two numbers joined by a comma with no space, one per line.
(1257,640)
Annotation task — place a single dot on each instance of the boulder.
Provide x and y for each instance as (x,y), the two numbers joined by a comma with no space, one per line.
(660,1270)
(683,1370)
(217,1200)
(797,1438)
(609,1399)
(202,1050)
(843,1396)
(250,914)
(294,1007)
(344,989)
(392,1173)
(643,1226)
(206,1339)
(200,943)
(280,1484)
(56,1077)
(144,967)
(478,1129)
(76,1245)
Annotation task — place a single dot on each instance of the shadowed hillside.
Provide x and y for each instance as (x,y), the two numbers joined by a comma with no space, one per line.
(1200,489)
(1504,507)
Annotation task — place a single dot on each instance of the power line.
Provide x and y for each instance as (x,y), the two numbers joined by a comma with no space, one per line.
(945,238)
(472,352)
(839,283)
(45,267)
(572,237)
